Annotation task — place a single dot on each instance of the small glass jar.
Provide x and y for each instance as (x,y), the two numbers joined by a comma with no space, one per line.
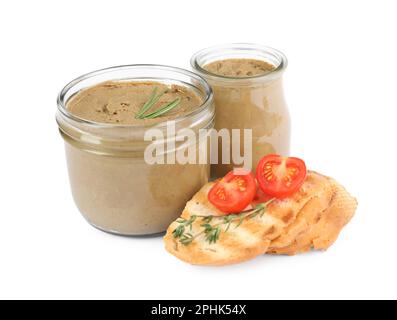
(113,186)
(252,102)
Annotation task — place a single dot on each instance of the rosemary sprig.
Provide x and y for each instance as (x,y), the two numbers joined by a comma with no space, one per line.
(168,107)
(212,232)
(154,98)
(149,104)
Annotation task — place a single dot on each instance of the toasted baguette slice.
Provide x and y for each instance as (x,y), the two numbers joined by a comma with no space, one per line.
(320,233)
(254,236)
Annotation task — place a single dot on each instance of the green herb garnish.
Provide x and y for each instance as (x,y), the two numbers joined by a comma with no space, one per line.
(154,98)
(212,232)
(168,107)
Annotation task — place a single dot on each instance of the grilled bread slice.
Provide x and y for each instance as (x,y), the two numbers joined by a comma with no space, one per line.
(320,232)
(254,236)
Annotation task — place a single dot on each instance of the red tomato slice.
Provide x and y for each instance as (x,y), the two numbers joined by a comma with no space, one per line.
(234,192)
(280,177)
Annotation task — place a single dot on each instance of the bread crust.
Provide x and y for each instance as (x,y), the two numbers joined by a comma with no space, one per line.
(312,217)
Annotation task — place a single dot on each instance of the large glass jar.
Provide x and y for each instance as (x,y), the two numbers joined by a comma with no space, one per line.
(250,102)
(113,186)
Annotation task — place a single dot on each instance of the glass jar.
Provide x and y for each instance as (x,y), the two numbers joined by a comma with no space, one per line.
(252,102)
(113,186)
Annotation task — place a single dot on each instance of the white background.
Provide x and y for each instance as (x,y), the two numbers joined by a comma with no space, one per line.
(341,89)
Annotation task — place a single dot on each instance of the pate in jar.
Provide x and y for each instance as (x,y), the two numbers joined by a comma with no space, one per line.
(104,118)
(248,94)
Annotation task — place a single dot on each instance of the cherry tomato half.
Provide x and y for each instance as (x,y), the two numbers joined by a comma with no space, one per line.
(234,192)
(280,177)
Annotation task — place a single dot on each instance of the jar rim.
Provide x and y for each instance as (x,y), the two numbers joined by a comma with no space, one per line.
(241,48)
(61,103)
